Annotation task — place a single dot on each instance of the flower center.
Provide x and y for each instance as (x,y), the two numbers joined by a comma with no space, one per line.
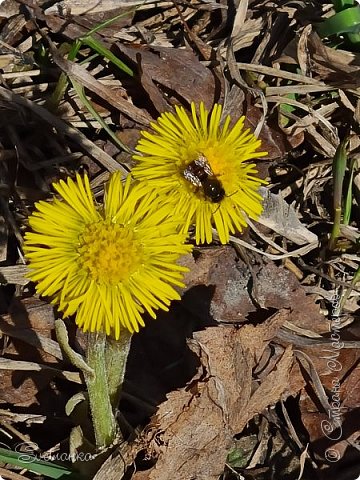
(109,252)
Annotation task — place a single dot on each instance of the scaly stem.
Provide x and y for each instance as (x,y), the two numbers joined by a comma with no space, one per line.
(104,423)
(104,373)
(116,355)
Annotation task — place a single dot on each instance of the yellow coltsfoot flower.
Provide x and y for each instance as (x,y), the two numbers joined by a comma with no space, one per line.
(202,167)
(107,264)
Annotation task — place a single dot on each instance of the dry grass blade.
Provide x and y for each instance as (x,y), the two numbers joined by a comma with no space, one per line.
(315,379)
(16,365)
(32,338)
(298,89)
(15,274)
(277,72)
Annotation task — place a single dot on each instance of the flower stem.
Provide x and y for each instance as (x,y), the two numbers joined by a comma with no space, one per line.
(116,355)
(105,427)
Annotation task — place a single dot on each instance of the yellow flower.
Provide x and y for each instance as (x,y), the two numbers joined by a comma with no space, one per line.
(109,263)
(202,167)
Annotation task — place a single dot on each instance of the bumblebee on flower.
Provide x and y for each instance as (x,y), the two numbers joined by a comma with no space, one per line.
(201,165)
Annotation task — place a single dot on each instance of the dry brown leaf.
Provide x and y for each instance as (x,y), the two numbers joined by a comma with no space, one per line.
(220,287)
(79,7)
(176,69)
(351,388)
(273,140)
(226,299)
(330,426)
(192,431)
(155,94)
(274,387)
(9,8)
(283,219)
(29,326)
(275,287)
(336,67)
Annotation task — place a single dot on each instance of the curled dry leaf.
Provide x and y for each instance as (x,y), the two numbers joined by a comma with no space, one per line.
(276,287)
(336,67)
(29,326)
(176,69)
(217,286)
(283,219)
(221,288)
(193,429)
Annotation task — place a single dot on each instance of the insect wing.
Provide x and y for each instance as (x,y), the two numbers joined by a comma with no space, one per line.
(191,177)
(202,162)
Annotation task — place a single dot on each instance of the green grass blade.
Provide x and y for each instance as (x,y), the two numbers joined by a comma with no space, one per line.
(98,47)
(108,22)
(29,461)
(346,21)
(54,101)
(106,53)
(346,295)
(342,4)
(339,167)
(348,198)
(79,89)
(286,108)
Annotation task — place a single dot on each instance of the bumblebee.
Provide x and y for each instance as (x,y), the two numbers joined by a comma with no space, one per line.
(199,173)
